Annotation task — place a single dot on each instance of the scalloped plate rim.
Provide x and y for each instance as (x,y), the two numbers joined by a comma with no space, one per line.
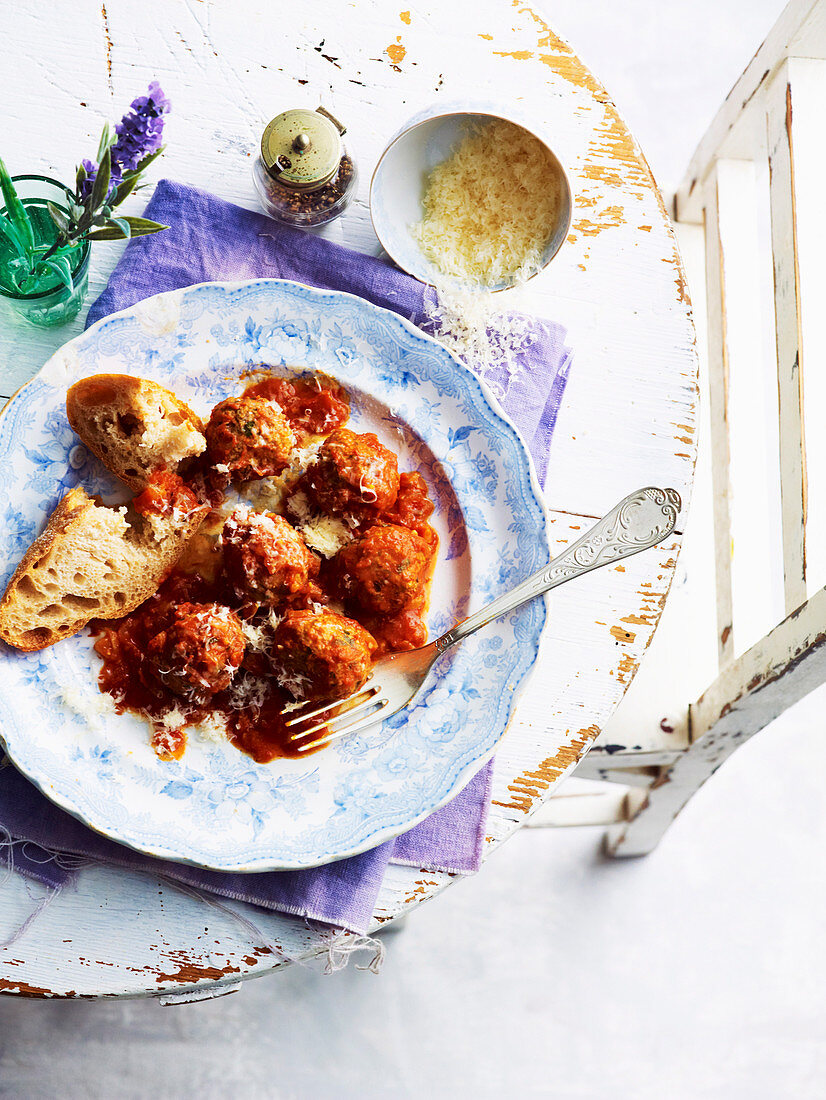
(471,769)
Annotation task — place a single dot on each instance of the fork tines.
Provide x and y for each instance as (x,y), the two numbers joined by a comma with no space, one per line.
(356,711)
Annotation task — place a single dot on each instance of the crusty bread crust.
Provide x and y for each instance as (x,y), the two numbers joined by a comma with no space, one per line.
(93,562)
(133,425)
(89,562)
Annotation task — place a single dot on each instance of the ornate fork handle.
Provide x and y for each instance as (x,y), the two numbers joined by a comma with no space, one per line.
(638,522)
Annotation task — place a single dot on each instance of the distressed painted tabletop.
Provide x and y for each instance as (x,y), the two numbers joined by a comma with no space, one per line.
(628,417)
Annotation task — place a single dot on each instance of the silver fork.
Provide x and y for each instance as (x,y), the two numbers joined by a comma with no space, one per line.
(638,522)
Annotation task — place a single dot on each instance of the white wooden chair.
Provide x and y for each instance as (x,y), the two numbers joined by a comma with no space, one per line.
(754,558)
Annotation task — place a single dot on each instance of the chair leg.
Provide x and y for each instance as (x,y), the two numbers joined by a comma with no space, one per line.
(650,813)
(762,683)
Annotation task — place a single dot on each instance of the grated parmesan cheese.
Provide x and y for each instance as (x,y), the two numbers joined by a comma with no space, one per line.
(91,707)
(212,728)
(268,493)
(472,325)
(172,720)
(325,534)
(489,210)
(491,206)
(255,636)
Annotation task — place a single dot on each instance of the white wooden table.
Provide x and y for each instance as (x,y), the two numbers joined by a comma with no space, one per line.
(627,420)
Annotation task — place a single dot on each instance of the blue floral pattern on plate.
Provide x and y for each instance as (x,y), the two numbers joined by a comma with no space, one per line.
(216,808)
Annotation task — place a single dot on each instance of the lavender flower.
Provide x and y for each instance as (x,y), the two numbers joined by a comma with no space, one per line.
(140,133)
(91,170)
(90,215)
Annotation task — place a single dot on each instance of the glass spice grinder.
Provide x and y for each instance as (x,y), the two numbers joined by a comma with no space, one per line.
(304,175)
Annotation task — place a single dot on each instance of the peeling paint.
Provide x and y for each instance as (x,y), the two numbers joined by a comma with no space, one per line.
(530,784)
(189,971)
(24,989)
(637,620)
(622,635)
(608,218)
(108,40)
(627,669)
(396,51)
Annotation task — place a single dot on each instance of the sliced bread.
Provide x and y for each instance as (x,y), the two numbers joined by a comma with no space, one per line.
(90,562)
(133,425)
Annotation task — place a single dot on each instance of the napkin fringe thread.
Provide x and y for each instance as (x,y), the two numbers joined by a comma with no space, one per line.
(339,947)
(7,855)
(342,946)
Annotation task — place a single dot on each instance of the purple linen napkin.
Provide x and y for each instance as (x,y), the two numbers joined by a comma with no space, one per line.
(212,240)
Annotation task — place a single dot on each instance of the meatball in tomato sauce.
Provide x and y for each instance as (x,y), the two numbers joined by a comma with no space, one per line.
(384,569)
(321,655)
(265,558)
(352,471)
(248,437)
(198,651)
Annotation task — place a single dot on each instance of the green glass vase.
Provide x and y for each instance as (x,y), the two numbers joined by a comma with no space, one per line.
(48,302)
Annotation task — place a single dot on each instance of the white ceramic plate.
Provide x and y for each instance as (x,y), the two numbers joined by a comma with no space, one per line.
(216,808)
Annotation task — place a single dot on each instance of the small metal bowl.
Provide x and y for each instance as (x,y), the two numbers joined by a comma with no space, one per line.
(397,187)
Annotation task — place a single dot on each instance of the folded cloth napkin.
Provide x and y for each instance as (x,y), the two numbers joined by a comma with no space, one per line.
(209,239)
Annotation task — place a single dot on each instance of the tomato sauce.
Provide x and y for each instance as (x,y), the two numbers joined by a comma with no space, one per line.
(251,708)
(312,408)
(166,494)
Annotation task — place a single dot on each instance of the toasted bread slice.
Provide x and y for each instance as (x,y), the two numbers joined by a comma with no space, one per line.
(90,562)
(133,425)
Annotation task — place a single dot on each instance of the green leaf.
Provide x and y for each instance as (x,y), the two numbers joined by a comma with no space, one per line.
(115,229)
(8,234)
(62,268)
(80,179)
(15,210)
(69,249)
(143,164)
(18,263)
(139,227)
(111,234)
(58,217)
(144,225)
(124,190)
(19,280)
(123,225)
(106,141)
(100,188)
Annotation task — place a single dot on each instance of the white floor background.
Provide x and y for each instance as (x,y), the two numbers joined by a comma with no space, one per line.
(699,972)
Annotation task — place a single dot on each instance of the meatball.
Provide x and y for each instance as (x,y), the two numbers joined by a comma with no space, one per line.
(248,437)
(352,471)
(321,655)
(199,650)
(265,558)
(384,569)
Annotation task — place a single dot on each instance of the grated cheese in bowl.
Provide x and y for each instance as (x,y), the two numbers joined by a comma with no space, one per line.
(491,212)
(491,207)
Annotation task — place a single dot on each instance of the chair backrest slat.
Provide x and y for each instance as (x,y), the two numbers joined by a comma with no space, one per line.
(718,412)
(789,335)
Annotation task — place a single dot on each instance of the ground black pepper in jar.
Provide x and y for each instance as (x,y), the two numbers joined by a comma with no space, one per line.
(304,175)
